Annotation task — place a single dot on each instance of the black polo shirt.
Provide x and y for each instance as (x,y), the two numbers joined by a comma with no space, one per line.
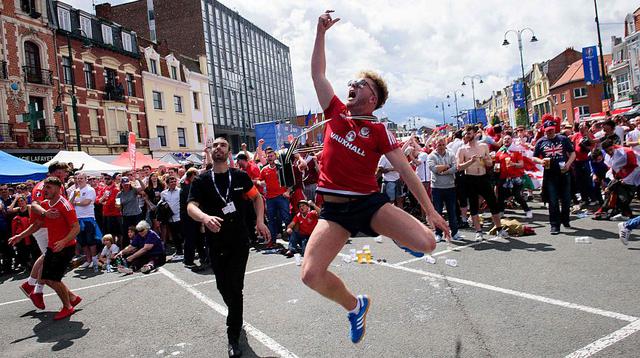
(203,191)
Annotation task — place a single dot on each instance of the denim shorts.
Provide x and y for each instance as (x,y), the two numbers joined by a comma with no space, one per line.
(393,189)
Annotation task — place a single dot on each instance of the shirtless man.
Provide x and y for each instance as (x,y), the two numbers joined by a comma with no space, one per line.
(354,141)
(474,159)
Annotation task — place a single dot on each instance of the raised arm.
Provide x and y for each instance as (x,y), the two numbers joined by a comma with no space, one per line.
(324,91)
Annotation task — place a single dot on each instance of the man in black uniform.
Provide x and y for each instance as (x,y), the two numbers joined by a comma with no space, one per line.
(216,199)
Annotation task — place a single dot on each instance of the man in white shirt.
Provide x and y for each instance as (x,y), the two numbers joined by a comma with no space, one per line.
(83,198)
(171,196)
(391,183)
(422,168)
(633,137)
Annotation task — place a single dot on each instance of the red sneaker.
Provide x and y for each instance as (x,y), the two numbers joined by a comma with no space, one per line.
(37,299)
(76,301)
(64,313)
(26,288)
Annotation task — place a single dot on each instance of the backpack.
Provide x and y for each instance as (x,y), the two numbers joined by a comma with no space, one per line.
(163,212)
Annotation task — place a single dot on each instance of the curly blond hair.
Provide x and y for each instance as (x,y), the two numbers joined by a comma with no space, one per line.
(381,86)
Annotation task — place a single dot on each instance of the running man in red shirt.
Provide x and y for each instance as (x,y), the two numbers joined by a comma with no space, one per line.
(61,245)
(354,141)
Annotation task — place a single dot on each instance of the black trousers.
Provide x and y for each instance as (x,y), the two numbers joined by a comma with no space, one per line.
(6,251)
(515,190)
(193,240)
(229,265)
(176,236)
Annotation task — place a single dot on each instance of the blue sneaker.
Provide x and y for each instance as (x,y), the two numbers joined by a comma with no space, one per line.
(359,320)
(406,249)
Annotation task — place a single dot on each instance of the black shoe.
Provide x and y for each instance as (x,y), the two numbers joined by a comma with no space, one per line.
(189,265)
(198,268)
(567,225)
(555,230)
(234,350)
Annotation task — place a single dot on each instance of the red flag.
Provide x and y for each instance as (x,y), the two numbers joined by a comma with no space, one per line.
(132,150)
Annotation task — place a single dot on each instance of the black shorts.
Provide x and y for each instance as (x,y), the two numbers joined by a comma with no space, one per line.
(113,225)
(56,263)
(355,216)
(480,186)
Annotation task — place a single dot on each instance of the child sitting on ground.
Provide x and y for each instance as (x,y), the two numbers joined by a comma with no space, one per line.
(108,253)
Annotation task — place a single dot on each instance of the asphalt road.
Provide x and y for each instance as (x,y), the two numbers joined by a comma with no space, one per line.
(536,296)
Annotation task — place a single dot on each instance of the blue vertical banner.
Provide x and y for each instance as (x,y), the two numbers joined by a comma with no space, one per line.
(590,65)
(518,95)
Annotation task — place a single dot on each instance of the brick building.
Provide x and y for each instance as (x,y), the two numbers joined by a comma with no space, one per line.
(571,91)
(104,68)
(29,128)
(250,76)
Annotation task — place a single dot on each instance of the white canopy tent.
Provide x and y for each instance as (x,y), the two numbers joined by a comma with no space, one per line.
(92,165)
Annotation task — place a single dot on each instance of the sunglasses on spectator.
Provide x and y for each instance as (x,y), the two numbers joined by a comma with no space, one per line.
(360,84)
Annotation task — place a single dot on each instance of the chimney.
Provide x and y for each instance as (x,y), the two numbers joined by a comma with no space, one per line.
(103,10)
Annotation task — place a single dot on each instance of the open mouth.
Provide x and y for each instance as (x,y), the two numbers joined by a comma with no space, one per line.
(352,94)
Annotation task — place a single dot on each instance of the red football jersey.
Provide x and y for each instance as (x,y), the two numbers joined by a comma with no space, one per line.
(306,224)
(37,194)
(352,149)
(270,177)
(60,227)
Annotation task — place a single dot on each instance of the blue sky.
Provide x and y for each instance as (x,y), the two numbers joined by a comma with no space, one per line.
(424,48)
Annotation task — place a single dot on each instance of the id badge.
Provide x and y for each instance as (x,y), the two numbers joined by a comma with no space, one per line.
(229,209)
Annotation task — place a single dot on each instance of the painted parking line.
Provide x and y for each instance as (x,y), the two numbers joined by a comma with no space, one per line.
(249,329)
(84,288)
(248,272)
(446,251)
(533,297)
(606,341)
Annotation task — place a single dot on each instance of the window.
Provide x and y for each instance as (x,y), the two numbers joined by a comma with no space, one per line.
(182,139)
(110,77)
(153,66)
(107,37)
(196,104)
(131,86)
(580,92)
(151,15)
(157,100)
(93,122)
(85,26)
(555,99)
(89,79)
(584,110)
(126,42)
(135,127)
(622,84)
(174,72)
(162,135)
(67,70)
(564,114)
(199,133)
(64,19)
(177,104)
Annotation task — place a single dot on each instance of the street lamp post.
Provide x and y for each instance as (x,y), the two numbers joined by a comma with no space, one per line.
(506,43)
(473,90)
(250,88)
(455,101)
(444,121)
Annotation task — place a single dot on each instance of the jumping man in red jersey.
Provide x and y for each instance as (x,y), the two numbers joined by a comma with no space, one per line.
(354,141)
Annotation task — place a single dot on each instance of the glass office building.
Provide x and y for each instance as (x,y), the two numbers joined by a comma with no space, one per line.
(250,74)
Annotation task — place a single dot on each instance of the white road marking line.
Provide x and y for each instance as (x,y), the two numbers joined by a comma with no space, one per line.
(251,330)
(248,272)
(452,249)
(551,301)
(83,288)
(606,341)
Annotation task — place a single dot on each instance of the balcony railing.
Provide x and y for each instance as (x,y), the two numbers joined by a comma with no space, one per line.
(113,93)
(6,134)
(45,134)
(4,74)
(37,75)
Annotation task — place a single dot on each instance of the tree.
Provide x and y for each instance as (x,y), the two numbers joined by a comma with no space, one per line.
(521,118)
(495,120)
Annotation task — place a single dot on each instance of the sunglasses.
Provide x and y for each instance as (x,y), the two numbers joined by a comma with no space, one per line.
(360,84)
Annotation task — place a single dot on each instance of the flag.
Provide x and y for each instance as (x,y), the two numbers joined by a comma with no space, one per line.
(306,120)
(132,150)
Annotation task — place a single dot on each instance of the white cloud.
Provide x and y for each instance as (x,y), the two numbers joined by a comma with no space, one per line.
(424,48)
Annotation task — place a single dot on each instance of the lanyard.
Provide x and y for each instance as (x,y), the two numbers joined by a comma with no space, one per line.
(226,197)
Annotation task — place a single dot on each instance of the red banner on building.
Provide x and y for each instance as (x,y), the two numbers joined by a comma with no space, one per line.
(132,150)
(576,114)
